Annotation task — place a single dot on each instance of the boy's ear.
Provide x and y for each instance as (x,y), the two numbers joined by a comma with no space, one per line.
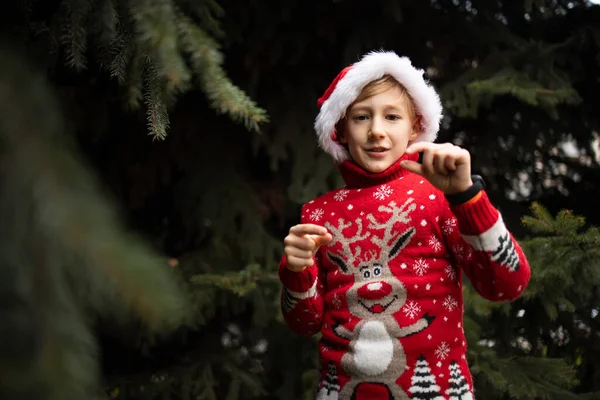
(416,128)
(340,131)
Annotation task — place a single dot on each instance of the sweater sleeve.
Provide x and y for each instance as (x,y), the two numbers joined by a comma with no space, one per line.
(302,297)
(485,250)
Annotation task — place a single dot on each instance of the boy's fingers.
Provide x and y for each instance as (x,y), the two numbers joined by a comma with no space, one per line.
(427,167)
(304,242)
(308,229)
(419,147)
(322,240)
(298,252)
(450,163)
(298,264)
(440,163)
(413,166)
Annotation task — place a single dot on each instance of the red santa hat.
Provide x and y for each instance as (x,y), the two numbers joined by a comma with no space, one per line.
(349,83)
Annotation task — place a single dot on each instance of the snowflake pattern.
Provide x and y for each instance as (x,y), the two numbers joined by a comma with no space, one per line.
(469,255)
(336,301)
(383,192)
(449,226)
(442,351)
(341,195)
(421,266)
(459,252)
(450,303)
(316,214)
(435,243)
(450,272)
(411,309)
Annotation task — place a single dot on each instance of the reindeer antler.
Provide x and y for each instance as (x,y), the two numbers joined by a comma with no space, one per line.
(398,214)
(338,237)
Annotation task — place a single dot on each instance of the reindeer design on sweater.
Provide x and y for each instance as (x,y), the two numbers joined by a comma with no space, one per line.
(375,354)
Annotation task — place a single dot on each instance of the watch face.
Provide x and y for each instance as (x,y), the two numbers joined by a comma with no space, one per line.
(478,178)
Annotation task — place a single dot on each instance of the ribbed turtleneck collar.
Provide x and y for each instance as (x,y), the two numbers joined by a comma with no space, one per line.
(357,177)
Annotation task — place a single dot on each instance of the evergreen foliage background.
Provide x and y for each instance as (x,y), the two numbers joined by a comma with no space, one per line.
(230,89)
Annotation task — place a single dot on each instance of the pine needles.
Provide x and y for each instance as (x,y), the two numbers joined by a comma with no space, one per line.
(65,259)
(525,357)
(156,50)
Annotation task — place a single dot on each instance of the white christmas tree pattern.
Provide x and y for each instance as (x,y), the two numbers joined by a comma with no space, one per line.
(329,388)
(423,384)
(459,388)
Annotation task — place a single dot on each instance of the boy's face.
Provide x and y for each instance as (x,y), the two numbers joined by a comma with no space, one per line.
(378,130)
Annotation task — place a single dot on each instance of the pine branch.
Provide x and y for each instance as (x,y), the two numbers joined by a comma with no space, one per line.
(104,31)
(156,29)
(207,13)
(122,53)
(154,96)
(104,24)
(74,31)
(65,250)
(206,60)
(508,81)
(535,73)
(127,36)
(240,283)
(532,377)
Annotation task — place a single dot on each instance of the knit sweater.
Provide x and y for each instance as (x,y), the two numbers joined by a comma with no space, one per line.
(386,293)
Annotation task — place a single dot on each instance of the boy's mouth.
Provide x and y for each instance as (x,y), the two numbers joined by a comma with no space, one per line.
(377,149)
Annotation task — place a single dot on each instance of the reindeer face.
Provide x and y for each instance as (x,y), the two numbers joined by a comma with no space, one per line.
(376,291)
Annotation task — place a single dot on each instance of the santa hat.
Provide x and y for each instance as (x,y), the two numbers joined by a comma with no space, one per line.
(349,83)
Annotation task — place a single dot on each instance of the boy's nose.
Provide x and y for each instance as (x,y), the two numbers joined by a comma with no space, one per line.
(377,130)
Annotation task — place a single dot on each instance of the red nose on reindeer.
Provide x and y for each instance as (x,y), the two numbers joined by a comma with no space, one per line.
(374,290)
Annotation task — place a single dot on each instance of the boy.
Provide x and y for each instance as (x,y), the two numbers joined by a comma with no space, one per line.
(376,267)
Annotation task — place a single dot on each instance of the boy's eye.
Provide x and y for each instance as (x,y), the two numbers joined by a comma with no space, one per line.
(360,117)
(393,117)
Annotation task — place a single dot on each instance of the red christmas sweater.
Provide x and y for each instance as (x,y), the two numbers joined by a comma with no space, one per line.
(386,293)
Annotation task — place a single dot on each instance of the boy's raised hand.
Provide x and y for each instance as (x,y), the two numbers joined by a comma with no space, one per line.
(302,243)
(445,166)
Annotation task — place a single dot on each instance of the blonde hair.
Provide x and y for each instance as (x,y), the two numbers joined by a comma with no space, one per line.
(383,84)
(373,88)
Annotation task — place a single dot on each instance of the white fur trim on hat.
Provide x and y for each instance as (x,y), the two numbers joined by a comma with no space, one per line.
(373,66)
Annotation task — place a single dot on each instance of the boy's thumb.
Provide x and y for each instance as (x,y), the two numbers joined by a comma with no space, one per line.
(322,240)
(412,166)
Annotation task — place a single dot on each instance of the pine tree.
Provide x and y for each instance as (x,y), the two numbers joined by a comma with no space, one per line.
(545,333)
(155,49)
(423,384)
(66,260)
(459,388)
(506,71)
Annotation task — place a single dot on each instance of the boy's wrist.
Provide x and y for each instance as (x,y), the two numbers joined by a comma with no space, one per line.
(295,269)
(300,281)
(478,184)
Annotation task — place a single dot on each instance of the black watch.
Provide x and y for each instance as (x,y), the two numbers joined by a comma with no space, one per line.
(462,197)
